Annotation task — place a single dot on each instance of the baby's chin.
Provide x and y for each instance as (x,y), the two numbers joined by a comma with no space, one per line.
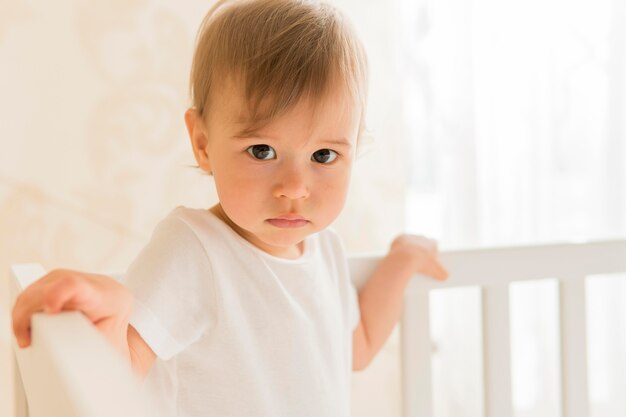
(281,248)
(285,238)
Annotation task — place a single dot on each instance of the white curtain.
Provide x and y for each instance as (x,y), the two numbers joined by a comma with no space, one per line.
(516,125)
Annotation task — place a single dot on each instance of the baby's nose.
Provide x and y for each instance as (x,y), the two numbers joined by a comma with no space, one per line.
(292,184)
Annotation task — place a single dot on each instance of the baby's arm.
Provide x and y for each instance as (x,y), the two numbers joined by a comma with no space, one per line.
(380,299)
(141,356)
(103,300)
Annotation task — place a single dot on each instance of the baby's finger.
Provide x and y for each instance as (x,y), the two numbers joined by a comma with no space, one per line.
(42,296)
(20,316)
(436,270)
(59,294)
(27,304)
(22,335)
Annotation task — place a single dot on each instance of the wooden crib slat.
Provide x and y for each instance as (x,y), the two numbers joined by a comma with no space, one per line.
(497,351)
(416,354)
(574,379)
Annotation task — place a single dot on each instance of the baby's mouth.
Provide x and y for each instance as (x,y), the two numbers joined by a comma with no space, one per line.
(290,221)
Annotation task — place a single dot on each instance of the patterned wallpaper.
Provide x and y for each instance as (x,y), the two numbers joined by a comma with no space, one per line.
(94,149)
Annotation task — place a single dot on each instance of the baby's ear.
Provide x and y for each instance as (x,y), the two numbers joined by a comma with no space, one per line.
(198,135)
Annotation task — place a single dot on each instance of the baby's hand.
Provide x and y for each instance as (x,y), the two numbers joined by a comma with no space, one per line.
(422,253)
(105,302)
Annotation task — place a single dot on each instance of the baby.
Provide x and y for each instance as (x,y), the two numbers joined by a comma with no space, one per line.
(247,308)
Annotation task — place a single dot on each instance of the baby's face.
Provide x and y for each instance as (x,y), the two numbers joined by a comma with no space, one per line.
(287,180)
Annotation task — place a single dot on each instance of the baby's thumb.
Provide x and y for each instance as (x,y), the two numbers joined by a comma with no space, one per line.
(437,270)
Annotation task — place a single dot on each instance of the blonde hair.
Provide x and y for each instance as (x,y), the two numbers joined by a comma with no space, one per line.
(279,51)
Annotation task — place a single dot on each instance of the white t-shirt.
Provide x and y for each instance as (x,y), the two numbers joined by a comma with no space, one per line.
(239,332)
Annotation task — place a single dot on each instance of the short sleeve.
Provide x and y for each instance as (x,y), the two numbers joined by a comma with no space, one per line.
(355,311)
(173,288)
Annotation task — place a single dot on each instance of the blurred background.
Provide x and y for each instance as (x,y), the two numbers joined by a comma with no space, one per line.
(494,122)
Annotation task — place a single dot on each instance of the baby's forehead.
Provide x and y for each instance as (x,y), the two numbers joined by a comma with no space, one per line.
(334,111)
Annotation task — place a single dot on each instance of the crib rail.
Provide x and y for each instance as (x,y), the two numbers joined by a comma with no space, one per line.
(493,270)
(70,370)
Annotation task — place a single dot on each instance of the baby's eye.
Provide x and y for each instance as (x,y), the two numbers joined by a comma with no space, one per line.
(263,152)
(324,156)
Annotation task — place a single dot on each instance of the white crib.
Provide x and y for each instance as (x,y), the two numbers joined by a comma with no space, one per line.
(71,371)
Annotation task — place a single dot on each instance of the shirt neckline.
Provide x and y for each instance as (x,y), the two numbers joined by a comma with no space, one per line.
(307,243)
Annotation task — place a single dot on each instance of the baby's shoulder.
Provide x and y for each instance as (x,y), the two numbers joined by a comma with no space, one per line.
(173,250)
(186,220)
(197,231)
(180,229)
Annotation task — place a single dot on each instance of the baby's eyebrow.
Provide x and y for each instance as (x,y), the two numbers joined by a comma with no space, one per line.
(339,142)
(250,133)
(245,133)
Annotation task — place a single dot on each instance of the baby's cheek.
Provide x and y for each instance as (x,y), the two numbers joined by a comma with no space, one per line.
(233,195)
(334,196)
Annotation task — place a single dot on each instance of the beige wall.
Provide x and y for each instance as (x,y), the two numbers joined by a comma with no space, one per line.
(94,150)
